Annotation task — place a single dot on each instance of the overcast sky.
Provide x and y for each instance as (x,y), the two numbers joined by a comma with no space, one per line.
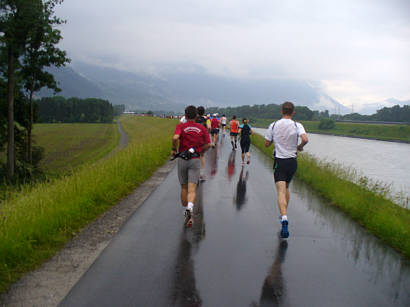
(358,51)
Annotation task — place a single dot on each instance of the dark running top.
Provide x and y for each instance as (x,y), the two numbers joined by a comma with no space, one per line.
(245,130)
(201,120)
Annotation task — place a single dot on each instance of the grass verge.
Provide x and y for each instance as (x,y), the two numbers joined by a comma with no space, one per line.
(380,216)
(38,221)
(382,132)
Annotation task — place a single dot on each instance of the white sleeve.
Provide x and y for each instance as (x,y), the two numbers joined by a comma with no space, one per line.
(301,130)
(269,133)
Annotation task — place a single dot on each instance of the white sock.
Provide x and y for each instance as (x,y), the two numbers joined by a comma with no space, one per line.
(284,217)
(190,206)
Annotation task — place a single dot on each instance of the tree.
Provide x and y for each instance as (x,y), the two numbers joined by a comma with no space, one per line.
(326,123)
(119,109)
(21,26)
(17,17)
(42,52)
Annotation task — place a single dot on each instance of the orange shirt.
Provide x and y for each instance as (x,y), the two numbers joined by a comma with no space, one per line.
(234,126)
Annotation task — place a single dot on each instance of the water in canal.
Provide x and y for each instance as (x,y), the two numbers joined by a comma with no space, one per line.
(386,162)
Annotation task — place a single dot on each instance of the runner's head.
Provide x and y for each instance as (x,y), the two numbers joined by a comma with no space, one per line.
(288,108)
(223,115)
(190,112)
(201,111)
(234,117)
(245,120)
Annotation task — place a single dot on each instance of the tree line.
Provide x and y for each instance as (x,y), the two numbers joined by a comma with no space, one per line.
(57,109)
(393,114)
(273,111)
(28,44)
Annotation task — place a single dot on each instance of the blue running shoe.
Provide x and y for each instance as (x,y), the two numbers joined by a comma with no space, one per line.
(284,232)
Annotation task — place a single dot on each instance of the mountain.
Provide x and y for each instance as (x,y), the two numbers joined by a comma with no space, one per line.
(372,108)
(173,89)
(73,85)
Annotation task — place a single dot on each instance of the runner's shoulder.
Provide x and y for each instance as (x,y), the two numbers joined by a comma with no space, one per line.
(299,124)
(271,125)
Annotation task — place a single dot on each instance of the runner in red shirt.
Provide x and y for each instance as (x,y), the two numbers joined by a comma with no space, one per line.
(193,140)
(214,129)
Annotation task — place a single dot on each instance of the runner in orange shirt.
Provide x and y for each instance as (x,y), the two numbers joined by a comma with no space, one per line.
(234,127)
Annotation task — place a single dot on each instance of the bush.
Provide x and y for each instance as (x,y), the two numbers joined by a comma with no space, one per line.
(326,123)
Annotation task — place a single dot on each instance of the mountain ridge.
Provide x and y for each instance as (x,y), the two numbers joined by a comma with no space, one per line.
(172,90)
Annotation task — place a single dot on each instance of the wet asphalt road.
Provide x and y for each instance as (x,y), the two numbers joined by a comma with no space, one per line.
(233,256)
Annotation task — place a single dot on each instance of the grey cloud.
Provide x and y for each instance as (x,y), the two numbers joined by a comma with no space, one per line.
(363,42)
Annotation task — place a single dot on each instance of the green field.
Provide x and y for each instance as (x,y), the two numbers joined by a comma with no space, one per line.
(39,220)
(364,202)
(372,131)
(68,146)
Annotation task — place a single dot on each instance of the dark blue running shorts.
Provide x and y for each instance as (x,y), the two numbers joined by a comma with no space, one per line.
(284,169)
(245,144)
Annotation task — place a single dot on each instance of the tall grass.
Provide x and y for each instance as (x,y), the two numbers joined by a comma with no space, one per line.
(364,202)
(35,223)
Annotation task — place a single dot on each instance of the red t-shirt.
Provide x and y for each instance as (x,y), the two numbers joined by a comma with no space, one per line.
(214,123)
(192,134)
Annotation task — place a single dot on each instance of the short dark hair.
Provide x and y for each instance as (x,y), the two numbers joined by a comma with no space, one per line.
(234,117)
(288,108)
(201,110)
(191,112)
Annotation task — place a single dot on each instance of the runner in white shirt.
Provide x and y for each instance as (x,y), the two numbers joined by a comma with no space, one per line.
(285,135)
(223,123)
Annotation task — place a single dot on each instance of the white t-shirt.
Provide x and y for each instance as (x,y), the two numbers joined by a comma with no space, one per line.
(285,135)
(223,120)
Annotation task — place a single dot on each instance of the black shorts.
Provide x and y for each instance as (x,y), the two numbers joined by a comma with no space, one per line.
(214,131)
(234,133)
(223,125)
(284,169)
(245,144)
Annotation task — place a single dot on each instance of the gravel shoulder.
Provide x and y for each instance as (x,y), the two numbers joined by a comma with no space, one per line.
(51,282)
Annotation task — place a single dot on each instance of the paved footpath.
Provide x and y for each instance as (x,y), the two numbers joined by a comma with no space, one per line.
(233,255)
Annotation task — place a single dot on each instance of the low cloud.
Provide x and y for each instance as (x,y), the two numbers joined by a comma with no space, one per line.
(358,50)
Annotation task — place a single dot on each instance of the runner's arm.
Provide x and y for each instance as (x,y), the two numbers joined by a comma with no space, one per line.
(269,137)
(207,141)
(303,136)
(175,140)
(304,141)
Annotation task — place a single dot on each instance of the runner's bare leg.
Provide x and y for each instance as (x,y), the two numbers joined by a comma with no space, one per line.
(184,195)
(191,192)
(283,197)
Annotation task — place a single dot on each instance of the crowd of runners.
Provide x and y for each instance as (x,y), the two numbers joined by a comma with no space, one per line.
(198,132)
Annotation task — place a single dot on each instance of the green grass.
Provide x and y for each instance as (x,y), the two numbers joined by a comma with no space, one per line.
(372,131)
(38,221)
(364,203)
(68,146)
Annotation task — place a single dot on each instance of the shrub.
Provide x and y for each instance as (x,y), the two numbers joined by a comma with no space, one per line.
(326,123)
